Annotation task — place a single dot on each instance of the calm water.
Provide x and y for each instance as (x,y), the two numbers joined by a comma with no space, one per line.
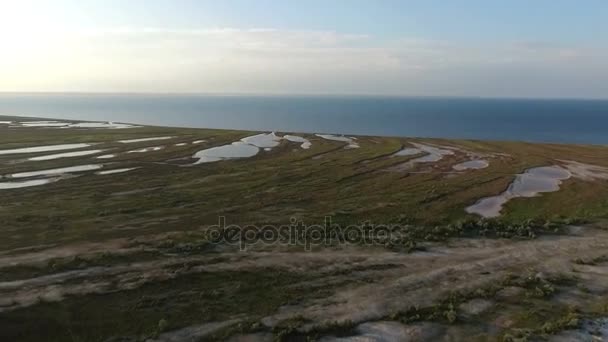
(572,121)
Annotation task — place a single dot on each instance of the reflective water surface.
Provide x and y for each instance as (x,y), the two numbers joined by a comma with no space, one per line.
(471,164)
(235,150)
(528,184)
(24,184)
(294,138)
(147,149)
(351,142)
(47,148)
(59,171)
(433,154)
(263,140)
(130,141)
(65,155)
(408,151)
(110,172)
(106,156)
(65,124)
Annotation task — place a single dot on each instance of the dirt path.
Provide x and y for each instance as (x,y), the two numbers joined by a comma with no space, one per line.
(368,284)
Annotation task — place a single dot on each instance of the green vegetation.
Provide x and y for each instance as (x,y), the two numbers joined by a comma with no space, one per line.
(269,188)
(129,256)
(445,310)
(57,265)
(161,306)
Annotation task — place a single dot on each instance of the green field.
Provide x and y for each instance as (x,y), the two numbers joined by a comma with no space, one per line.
(127,256)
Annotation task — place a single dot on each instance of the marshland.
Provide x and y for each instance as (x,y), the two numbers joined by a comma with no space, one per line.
(106,236)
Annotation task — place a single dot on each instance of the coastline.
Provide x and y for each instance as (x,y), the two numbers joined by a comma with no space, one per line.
(549,121)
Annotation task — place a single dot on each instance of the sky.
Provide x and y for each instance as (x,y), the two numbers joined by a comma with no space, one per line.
(515,48)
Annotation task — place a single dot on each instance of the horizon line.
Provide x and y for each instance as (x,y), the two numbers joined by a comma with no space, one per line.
(253,94)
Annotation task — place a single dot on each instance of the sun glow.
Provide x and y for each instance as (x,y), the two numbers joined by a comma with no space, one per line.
(32,44)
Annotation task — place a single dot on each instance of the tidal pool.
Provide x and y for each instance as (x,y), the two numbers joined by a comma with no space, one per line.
(43,124)
(408,151)
(147,149)
(263,140)
(587,172)
(528,184)
(488,207)
(47,148)
(471,164)
(59,171)
(109,172)
(66,124)
(130,141)
(198,141)
(65,155)
(106,156)
(181,144)
(434,154)
(24,184)
(244,148)
(351,141)
(109,125)
(305,143)
(238,149)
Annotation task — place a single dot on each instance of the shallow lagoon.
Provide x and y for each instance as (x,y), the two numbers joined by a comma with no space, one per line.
(584,171)
(408,151)
(244,148)
(47,148)
(263,140)
(147,149)
(59,171)
(24,184)
(351,142)
(106,156)
(66,155)
(42,124)
(65,124)
(110,172)
(305,143)
(131,141)
(434,154)
(235,150)
(109,125)
(528,184)
(471,165)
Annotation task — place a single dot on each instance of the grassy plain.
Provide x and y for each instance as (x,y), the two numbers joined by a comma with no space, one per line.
(125,256)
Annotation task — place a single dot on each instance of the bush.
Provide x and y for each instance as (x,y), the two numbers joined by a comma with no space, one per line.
(163,325)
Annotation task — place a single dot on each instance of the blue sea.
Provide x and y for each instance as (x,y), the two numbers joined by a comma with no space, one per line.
(560,121)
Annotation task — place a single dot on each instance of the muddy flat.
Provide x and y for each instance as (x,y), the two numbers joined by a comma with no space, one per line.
(222,235)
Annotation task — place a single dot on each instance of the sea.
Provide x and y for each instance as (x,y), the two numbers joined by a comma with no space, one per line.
(534,120)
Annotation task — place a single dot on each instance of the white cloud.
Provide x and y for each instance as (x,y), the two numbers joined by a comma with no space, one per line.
(287,61)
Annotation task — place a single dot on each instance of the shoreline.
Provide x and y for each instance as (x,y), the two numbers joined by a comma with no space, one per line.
(35,118)
(545,121)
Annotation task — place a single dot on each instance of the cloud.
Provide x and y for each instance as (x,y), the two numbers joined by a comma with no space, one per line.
(259,60)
